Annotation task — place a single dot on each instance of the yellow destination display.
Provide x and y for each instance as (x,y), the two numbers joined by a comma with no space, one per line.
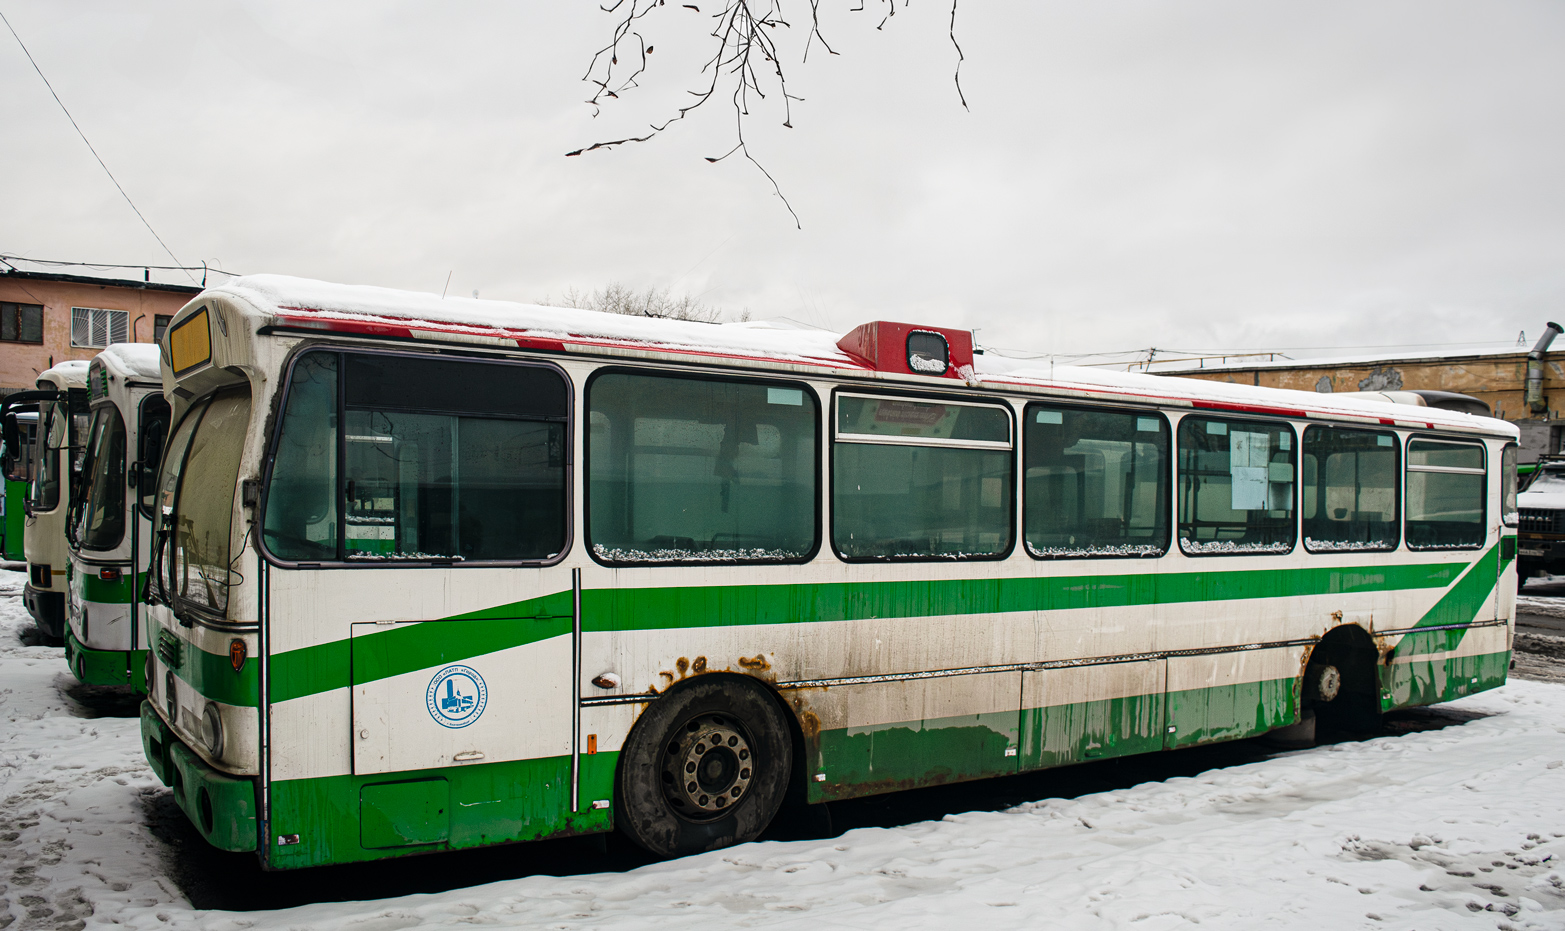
(190,343)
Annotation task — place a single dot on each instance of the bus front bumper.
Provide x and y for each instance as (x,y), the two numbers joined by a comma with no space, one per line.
(222,807)
(105,667)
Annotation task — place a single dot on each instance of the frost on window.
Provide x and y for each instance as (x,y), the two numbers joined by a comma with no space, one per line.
(1097,482)
(699,470)
(1236,486)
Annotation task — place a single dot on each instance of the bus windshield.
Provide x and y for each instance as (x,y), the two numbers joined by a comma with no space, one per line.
(196,503)
(102,522)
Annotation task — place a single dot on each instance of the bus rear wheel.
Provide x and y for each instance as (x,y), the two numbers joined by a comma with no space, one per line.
(705,767)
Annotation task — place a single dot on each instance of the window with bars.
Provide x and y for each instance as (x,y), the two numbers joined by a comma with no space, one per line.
(94,328)
(21,323)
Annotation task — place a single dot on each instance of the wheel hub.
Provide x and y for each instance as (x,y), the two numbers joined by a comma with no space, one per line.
(707,767)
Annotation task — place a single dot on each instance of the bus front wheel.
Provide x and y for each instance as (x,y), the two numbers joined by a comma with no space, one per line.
(705,767)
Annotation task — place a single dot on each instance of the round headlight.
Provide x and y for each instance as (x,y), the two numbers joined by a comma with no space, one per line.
(171,698)
(149,668)
(212,730)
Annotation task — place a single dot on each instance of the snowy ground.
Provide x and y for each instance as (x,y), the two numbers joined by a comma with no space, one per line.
(1460,826)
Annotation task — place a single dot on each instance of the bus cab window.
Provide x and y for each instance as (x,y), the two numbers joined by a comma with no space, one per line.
(196,503)
(1445,494)
(102,524)
(1236,482)
(1350,490)
(1097,482)
(700,470)
(921,479)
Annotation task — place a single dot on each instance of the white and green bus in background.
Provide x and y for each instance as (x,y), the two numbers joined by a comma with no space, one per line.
(62,422)
(18,433)
(109,525)
(434,574)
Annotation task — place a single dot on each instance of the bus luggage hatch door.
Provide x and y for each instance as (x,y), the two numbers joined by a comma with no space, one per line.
(430,694)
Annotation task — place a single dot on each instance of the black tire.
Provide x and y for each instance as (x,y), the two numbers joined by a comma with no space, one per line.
(728,742)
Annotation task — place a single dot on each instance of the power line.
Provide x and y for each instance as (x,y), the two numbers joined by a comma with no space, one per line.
(94,152)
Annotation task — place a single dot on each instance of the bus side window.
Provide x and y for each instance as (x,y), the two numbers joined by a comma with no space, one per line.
(916,479)
(1446,482)
(1350,490)
(1236,481)
(700,470)
(436,459)
(1097,482)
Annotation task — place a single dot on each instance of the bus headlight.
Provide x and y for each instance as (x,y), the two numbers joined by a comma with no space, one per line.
(212,730)
(149,669)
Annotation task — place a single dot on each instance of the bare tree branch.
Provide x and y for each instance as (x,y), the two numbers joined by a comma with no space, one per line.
(745,56)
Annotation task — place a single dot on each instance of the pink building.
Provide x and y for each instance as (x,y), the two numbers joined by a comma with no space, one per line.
(47,318)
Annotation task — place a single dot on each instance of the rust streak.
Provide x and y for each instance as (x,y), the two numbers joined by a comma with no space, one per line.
(756,663)
(698,666)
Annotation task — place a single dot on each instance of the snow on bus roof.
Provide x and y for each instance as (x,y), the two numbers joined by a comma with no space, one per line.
(431,311)
(138,359)
(1226,396)
(72,373)
(285,296)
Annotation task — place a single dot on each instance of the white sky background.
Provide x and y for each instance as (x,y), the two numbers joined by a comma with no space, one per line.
(1186,175)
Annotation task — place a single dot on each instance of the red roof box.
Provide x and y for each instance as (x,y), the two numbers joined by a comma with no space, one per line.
(908,349)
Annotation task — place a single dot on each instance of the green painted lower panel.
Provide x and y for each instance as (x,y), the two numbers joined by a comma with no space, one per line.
(1060,735)
(405,814)
(106,667)
(222,807)
(341,819)
(867,761)
(15,518)
(1229,712)
(1438,679)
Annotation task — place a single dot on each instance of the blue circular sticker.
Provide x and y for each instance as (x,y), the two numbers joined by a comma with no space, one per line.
(456,696)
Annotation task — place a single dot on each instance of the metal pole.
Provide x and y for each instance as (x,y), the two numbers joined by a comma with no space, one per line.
(575,690)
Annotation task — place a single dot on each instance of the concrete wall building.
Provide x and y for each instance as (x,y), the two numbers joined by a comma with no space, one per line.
(47,318)
(1496,377)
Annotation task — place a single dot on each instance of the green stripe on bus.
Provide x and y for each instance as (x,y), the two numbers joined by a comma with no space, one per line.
(213,676)
(1459,605)
(629,609)
(309,670)
(92,588)
(406,647)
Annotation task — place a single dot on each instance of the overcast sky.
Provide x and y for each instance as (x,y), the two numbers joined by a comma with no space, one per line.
(1187,175)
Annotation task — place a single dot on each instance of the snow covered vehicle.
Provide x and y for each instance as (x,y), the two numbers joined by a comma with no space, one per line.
(432,574)
(61,397)
(109,525)
(1541,538)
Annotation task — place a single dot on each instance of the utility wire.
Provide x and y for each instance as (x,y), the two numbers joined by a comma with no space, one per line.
(94,152)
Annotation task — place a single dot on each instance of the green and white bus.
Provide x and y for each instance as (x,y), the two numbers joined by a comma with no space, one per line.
(19,428)
(433,574)
(109,526)
(62,424)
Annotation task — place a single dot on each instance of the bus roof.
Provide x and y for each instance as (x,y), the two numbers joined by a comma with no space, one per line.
(135,360)
(374,311)
(69,374)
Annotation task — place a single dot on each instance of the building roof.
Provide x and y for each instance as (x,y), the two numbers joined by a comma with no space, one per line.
(11,274)
(1459,354)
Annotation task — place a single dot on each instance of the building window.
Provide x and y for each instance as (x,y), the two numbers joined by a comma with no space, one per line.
(159,325)
(92,328)
(21,323)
